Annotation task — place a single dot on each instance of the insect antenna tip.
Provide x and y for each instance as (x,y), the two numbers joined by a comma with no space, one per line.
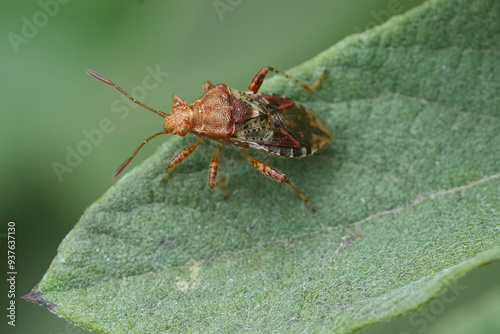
(100,77)
(122,167)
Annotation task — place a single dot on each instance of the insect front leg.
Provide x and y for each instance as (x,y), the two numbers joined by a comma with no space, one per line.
(278,176)
(181,156)
(259,78)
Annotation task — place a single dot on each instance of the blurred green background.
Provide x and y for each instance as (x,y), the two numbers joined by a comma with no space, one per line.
(48,103)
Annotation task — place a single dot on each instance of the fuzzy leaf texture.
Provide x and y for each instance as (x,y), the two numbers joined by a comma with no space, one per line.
(407,197)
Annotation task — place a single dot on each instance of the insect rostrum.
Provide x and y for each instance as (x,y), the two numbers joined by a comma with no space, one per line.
(271,124)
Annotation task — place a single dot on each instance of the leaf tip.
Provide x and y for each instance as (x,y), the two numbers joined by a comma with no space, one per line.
(35,296)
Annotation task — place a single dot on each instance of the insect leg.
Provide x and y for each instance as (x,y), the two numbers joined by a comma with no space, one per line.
(278,176)
(259,78)
(214,166)
(181,156)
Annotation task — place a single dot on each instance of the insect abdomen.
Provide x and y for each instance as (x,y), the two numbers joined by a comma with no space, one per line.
(287,152)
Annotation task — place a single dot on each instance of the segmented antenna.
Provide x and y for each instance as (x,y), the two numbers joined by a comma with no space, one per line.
(109,82)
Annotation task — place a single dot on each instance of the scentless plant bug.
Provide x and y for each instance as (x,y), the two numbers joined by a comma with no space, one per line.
(271,124)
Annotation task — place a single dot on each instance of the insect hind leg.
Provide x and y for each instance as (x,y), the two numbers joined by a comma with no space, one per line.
(259,78)
(278,176)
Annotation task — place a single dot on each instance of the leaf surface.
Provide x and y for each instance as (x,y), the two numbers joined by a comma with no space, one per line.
(407,197)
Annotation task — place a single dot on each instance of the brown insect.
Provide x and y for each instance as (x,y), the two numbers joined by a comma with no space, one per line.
(271,124)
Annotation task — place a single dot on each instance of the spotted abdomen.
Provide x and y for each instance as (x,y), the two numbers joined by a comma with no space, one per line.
(280,126)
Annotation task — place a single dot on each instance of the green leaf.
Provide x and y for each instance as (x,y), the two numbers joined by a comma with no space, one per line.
(407,196)
(467,320)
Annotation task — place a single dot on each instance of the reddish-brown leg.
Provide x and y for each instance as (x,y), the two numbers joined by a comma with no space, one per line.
(212,173)
(278,176)
(214,166)
(181,156)
(259,78)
